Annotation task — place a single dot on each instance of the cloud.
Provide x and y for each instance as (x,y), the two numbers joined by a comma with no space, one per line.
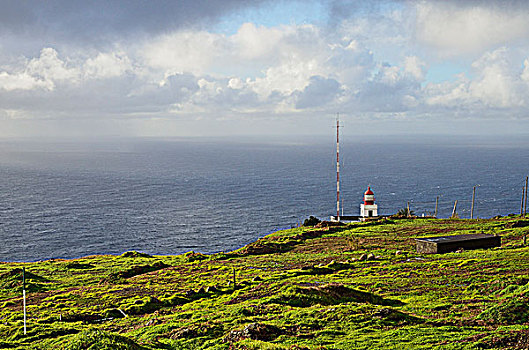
(107,65)
(101,20)
(40,72)
(21,81)
(50,68)
(319,92)
(253,42)
(367,64)
(468,28)
(498,82)
(414,67)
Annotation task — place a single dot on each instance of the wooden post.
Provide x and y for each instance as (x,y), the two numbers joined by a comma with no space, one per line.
(234,281)
(436,203)
(472,207)
(408,210)
(525,202)
(454,211)
(523,197)
(24,295)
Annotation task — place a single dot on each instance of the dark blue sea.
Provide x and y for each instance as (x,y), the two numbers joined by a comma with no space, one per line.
(168,196)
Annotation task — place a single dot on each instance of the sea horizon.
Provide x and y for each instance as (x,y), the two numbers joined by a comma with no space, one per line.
(164,196)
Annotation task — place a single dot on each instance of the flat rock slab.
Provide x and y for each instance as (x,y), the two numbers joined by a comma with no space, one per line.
(446,244)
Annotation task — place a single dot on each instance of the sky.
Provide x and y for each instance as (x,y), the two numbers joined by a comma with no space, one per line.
(101,68)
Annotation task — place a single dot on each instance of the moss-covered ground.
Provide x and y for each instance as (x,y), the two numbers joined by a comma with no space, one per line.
(355,286)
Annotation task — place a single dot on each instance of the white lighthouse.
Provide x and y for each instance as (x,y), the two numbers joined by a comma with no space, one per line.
(368,209)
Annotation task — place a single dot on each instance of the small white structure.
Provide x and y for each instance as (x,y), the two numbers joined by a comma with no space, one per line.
(368,209)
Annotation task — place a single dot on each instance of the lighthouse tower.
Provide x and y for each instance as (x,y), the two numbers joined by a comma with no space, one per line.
(368,208)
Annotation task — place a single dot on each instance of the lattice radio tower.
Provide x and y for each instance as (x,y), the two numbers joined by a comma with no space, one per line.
(338,166)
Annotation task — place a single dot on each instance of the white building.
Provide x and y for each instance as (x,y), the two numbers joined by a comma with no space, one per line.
(368,208)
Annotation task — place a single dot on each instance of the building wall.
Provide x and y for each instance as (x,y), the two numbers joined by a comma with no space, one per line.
(364,210)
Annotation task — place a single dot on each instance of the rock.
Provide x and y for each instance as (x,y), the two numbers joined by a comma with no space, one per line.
(370,256)
(258,279)
(184,333)
(362,257)
(201,290)
(255,331)
(398,252)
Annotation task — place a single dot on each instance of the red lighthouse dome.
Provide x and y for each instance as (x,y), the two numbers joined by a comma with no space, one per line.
(369,197)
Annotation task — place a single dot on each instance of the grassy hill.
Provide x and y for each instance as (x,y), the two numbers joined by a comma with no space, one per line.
(356,286)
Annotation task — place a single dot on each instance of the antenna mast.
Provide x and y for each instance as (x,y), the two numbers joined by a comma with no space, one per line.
(338,166)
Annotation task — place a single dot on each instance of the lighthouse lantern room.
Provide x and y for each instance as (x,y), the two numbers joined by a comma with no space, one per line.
(368,208)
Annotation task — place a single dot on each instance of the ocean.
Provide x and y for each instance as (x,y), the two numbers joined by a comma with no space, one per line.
(169,196)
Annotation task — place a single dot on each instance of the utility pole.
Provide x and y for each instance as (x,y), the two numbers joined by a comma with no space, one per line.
(436,203)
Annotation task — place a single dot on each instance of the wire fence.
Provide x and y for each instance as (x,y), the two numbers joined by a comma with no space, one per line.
(486,203)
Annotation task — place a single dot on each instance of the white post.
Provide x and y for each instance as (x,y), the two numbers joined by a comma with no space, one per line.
(24,295)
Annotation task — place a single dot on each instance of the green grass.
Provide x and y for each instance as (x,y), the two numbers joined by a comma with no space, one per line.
(303,288)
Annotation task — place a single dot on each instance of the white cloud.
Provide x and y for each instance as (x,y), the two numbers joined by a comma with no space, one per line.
(389,75)
(461,28)
(525,73)
(414,67)
(180,52)
(252,42)
(285,78)
(39,73)
(107,65)
(235,83)
(497,83)
(51,68)
(22,81)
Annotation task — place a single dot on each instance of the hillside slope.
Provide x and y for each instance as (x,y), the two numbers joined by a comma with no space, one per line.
(356,286)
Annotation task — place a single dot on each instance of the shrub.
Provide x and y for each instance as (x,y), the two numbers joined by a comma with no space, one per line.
(311,221)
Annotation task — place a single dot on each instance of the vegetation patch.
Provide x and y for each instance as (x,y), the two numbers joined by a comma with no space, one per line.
(263,247)
(77,265)
(142,306)
(329,294)
(94,339)
(136,270)
(255,331)
(135,254)
(514,309)
(13,279)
